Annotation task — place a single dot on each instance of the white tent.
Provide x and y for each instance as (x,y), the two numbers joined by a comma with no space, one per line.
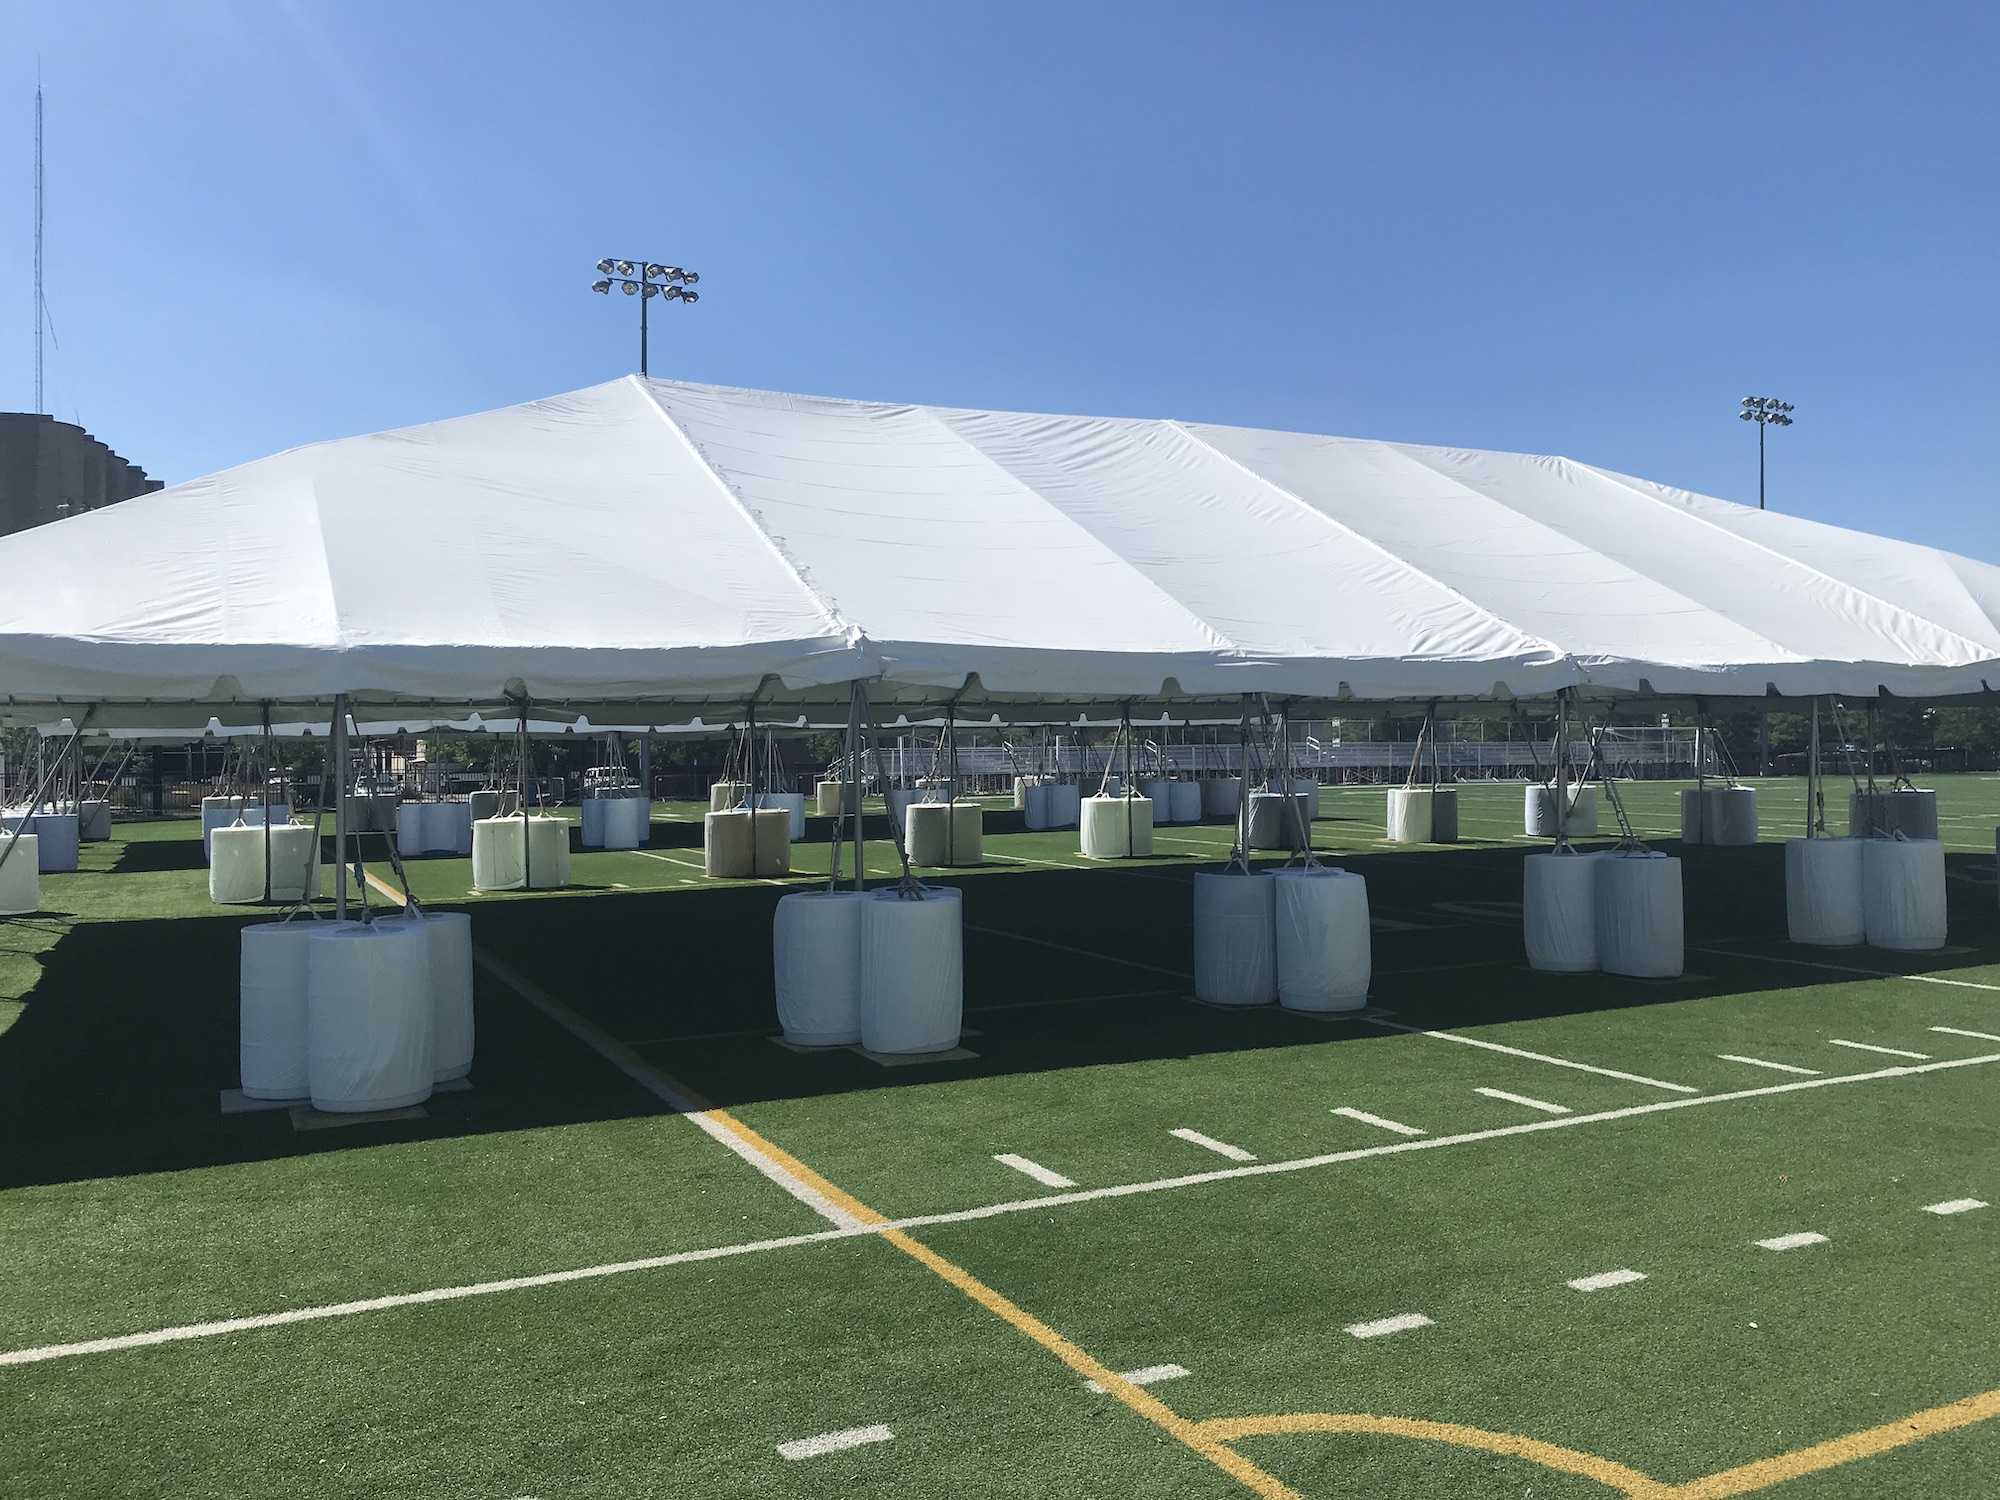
(654,552)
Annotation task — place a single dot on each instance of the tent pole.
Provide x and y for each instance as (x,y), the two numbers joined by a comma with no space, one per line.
(1815,803)
(1562,771)
(337,774)
(267,799)
(857,695)
(521,749)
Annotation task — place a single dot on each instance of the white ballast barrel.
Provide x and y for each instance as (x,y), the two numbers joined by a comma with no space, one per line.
(1902,893)
(1161,792)
(590,822)
(1444,815)
(1221,796)
(1729,815)
(1823,892)
(236,863)
(1065,804)
(1640,929)
(1235,950)
(1559,912)
(725,795)
(1117,827)
(21,877)
(369,1038)
(500,854)
(627,822)
(94,825)
(794,806)
(827,797)
(271,1009)
(725,846)
(1184,798)
(1038,807)
(816,963)
(1410,813)
(448,938)
(1694,815)
(912,970)
(1910,811)
(1276,825)
(1324,949)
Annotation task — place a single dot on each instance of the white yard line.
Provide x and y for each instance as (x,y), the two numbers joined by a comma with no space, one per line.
(1560,1062)
(1523,1100)
(1776,1067)
(1150,1375)
(1401,1323)
(1034,1169)
(1834,1041)
(834,1442)
(1209,1143)
(1979,1036)
(1604,1280)
(1792,1241)
(963,1216)
(1377,1121)
(1954,1206)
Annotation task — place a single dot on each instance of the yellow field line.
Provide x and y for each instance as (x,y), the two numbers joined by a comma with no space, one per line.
(1211,1439)
(1024,1322)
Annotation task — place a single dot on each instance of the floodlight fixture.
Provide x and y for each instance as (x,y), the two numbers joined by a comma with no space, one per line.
(645,279)
(1765,411)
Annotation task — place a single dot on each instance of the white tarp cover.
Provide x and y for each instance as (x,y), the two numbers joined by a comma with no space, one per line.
(657,546)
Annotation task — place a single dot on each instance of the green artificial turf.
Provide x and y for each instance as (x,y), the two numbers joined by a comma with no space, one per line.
(128,1202)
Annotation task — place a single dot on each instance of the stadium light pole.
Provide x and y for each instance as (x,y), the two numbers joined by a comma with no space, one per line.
(645,279)
(1765,411)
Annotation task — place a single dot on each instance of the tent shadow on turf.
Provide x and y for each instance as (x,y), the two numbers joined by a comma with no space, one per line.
(129,1032)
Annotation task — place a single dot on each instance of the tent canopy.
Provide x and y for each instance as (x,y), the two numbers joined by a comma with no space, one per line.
(651,551)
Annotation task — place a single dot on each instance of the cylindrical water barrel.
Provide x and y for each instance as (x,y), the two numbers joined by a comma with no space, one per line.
(1325,952)
(294,862)
(725,846)
(1065,805)
(1410,813)
(94,820)
(483,805)
(1235,951)
(591,834)
(1184,801)
(1221,796)
(1037,807)
(793,805)
(1823,892)
(271,1006)
(1306,789)
(448,940)
(369,1038)
(447,827)
(898,799)
(57,841)
(827,798)
(1694,815)
(725,795)
(1902,893)
(1444,815)
(1640,929)
(1110,786)
(412,831)
(21,876)
(1275,825)
(1559,911)
(548,844)
(816,961)
(927,833)
(236,864)
(1021,785)
(1729,815)
(217,812)
(1117,827)
(628,822)
(1539,811)
(912,971)
(1910,811)
(1161,791)
(771,833)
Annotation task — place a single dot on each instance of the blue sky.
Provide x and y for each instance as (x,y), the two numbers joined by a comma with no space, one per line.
(1584,229)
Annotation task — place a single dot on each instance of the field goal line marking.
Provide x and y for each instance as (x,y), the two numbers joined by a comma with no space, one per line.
(959,1216)
(1560,1062)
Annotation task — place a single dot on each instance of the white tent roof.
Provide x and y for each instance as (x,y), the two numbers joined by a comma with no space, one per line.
(645,550)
